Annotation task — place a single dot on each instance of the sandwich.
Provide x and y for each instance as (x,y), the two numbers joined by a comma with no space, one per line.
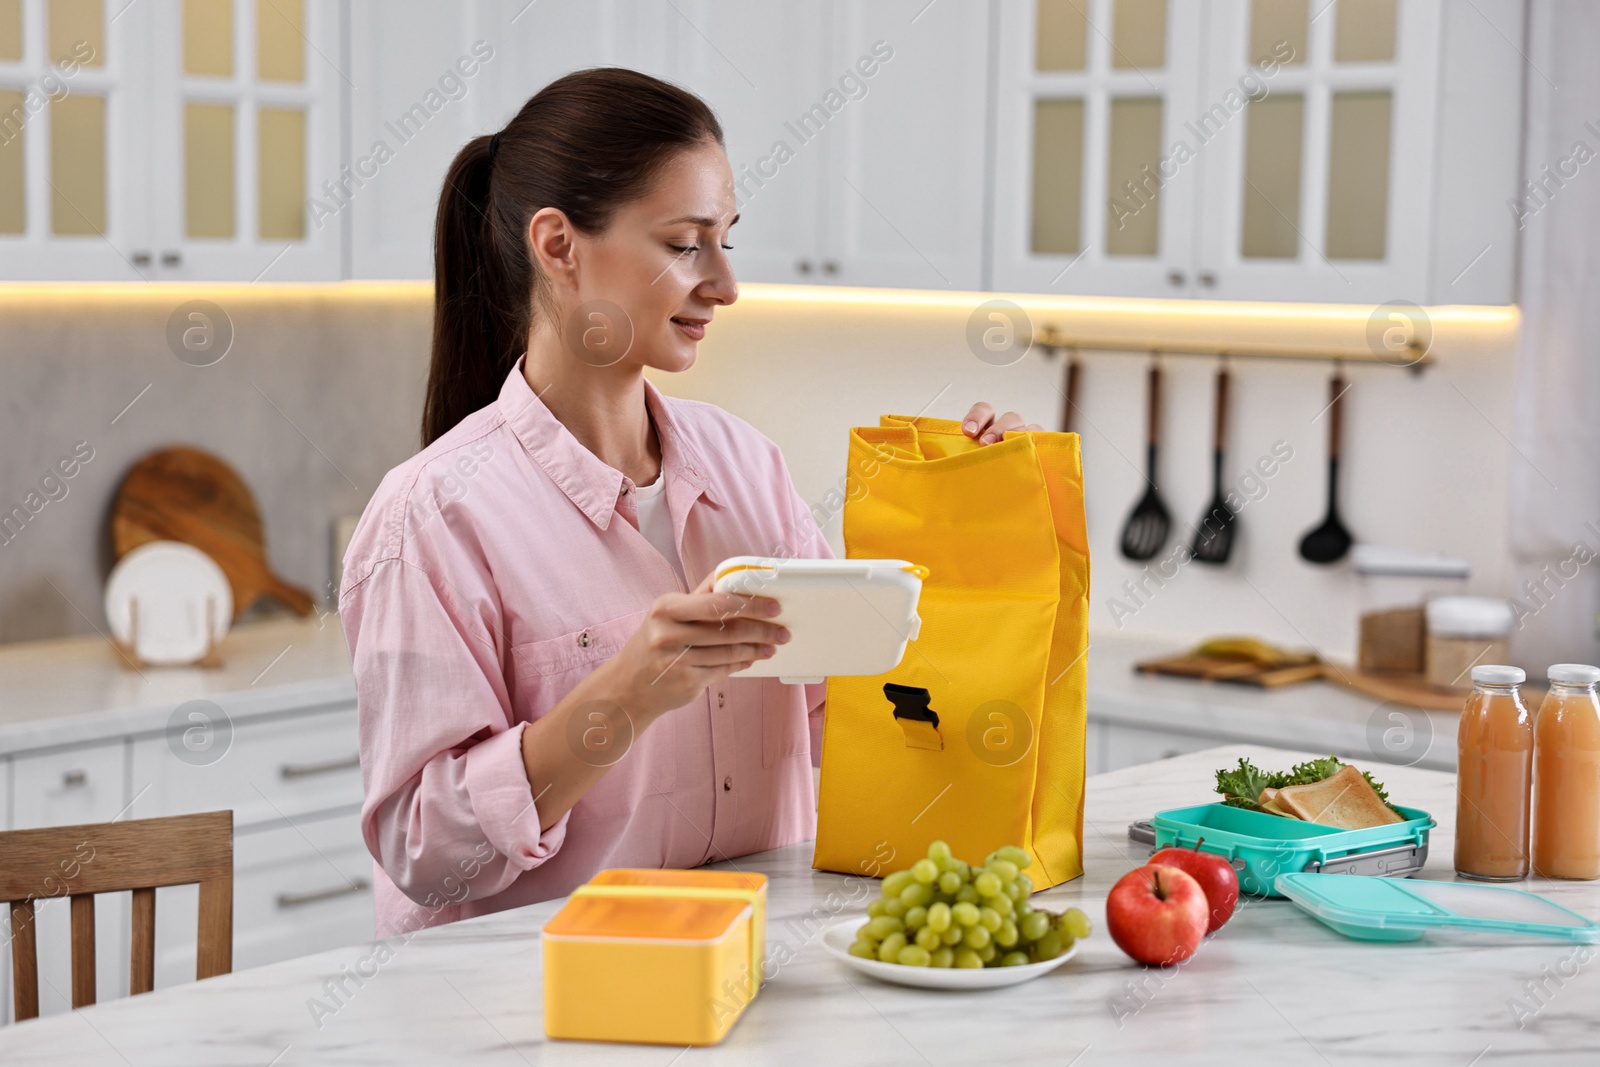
(1344,800)
(1325,791)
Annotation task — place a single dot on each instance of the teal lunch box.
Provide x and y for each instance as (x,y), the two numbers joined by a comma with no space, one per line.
(1262,846)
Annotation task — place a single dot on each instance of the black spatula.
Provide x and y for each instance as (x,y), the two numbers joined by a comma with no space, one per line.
(1147,528)
(1213,538)
(1330,541)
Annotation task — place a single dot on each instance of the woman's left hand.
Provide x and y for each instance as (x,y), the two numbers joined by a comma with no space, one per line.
(982,424)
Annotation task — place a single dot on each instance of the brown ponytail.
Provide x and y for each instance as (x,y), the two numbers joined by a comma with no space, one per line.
(586,144)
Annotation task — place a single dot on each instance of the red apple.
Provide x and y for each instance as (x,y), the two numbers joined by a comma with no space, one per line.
(1216,876)
(1157,914)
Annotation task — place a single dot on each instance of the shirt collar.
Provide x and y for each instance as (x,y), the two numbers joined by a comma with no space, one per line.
(588,481)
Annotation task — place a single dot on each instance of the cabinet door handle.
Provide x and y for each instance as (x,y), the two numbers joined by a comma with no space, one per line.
(1175,277)
(1207,279)
(74,779)
(803,266)
(141,258)
(306,770)
(299,900)
(830,267)
(171,258)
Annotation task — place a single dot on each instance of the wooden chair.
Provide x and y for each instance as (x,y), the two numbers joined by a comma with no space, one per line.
(114,857)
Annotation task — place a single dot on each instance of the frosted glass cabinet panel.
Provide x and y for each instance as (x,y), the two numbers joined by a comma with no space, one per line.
(252,98)
(167,140)
(1320,187)
(70,185)
(1090,195)
(1241,149)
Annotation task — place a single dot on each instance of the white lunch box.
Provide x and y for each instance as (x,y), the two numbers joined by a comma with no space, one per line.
(845,616)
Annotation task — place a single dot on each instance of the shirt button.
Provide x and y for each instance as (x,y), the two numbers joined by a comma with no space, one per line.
(624,490)
(722,698)
(584,640)
(727,783)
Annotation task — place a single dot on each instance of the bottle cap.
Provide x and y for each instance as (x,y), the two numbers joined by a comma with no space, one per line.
(1574,674)
(1496,674)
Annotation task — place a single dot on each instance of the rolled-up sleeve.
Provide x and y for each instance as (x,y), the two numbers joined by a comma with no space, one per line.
(449,814)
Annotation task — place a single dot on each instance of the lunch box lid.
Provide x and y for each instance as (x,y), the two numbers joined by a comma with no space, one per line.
(675,878)
(1387,909)
(640,918)
(845,617)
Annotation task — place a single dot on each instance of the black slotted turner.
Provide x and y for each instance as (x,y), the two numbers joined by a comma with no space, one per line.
(1148,526)
(1213,538)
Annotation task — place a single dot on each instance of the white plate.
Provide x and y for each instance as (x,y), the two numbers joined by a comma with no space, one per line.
(836,940)
(172,582)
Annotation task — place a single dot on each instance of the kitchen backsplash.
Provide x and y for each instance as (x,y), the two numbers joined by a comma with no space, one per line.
(319,391)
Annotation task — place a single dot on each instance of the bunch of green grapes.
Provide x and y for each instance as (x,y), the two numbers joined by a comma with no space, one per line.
(943,912)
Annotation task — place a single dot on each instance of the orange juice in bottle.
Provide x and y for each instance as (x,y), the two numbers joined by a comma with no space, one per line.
(1493,777)
(1566,775)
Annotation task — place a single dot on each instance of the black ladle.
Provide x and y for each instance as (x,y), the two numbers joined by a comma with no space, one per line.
(1213,538)
(1330,541)
(1147,527)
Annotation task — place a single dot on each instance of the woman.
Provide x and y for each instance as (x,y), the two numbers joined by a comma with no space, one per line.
(541,694)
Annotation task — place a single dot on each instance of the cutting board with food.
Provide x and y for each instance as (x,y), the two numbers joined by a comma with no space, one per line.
(1240,660)
(185,494)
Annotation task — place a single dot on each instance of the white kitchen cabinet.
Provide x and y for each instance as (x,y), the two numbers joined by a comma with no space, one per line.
(1091,95)
(855,132)
(1308,151)
(283,767)
(62,787)
(184,146)
(1127,746)
(905,192)
(66,786)
(302,874)
(423,86)
(73,168)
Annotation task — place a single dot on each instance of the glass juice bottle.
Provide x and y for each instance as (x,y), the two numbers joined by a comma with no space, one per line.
(1566,775)
(1493,777)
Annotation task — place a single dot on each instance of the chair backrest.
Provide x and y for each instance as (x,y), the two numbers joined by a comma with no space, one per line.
(114,857)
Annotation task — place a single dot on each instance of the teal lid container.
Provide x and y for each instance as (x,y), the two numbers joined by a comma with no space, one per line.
(1261,846)
(1382,909)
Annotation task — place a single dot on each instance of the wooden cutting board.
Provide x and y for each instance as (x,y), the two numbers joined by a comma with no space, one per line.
(1411,690)
(184,494)
(1239,672)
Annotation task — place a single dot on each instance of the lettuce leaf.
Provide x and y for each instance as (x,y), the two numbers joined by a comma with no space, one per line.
(1241,785)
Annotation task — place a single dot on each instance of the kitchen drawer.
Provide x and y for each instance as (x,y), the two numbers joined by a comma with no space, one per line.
(74,785)
(1127,746)
(271,769)
(297,890)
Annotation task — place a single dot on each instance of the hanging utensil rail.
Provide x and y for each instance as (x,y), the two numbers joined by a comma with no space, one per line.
(1051,339)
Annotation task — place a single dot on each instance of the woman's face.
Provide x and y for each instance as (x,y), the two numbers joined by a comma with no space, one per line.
(643,292)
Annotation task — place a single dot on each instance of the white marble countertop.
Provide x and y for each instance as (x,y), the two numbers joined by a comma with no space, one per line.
(1272,987)
(79,689)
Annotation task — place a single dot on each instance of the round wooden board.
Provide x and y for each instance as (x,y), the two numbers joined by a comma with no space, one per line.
(184,494)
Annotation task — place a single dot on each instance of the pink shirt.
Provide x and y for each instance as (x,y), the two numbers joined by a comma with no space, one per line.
(492,571)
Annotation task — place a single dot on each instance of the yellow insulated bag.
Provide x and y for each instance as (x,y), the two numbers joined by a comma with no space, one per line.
(977,736)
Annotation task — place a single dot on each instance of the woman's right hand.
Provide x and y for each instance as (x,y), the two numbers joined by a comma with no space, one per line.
(687,642)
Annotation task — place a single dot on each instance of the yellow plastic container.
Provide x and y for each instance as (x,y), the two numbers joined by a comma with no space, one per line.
(655,970)
(699,884)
